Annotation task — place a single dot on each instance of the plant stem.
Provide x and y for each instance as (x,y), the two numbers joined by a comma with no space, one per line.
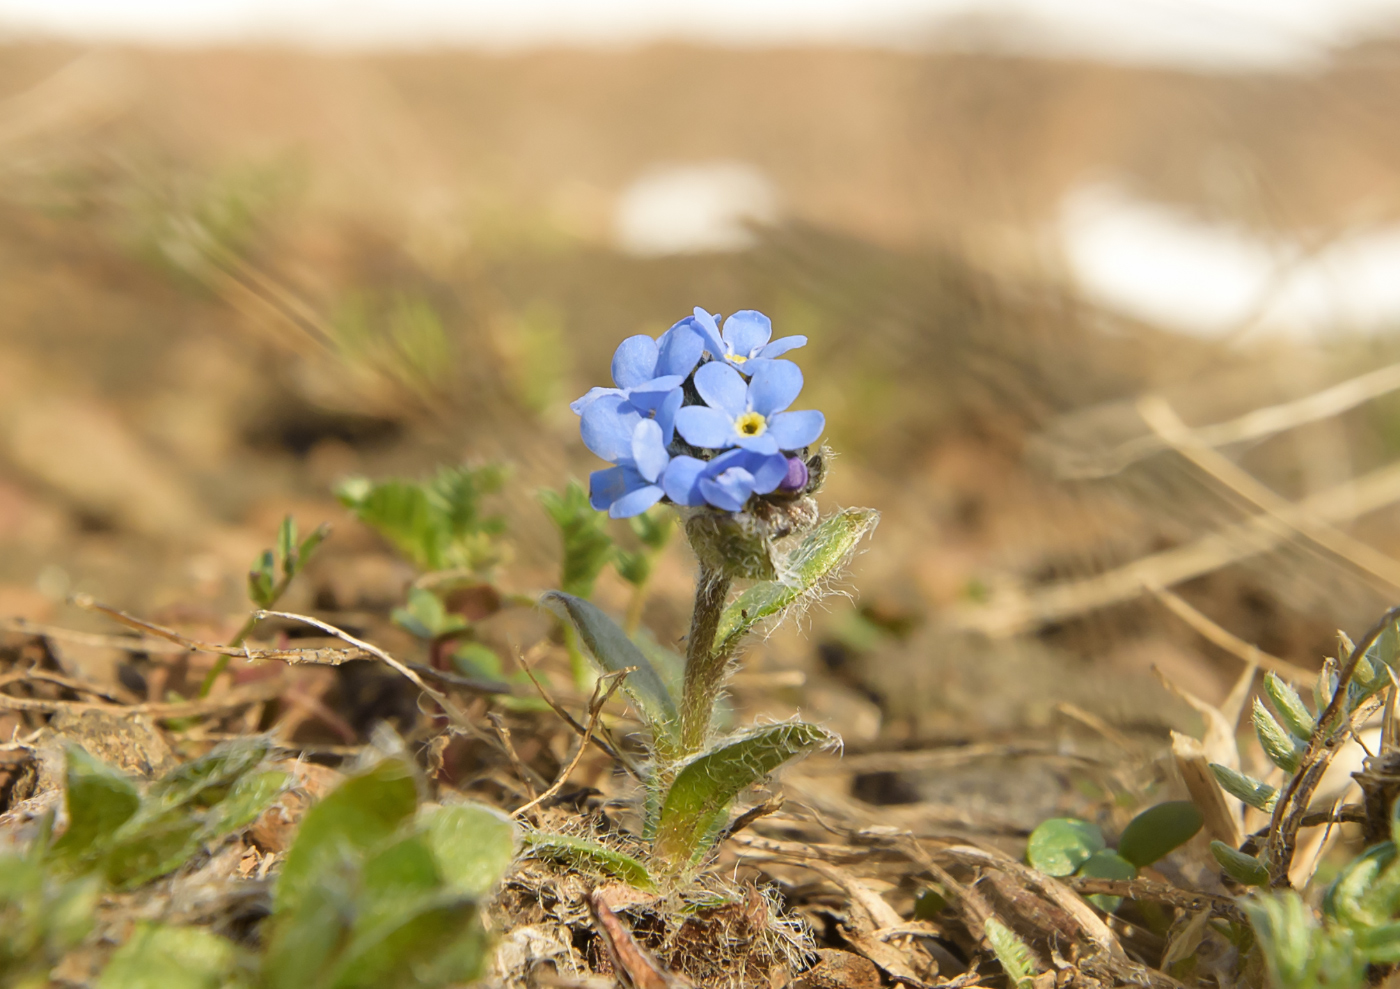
(704,672)
(244,631)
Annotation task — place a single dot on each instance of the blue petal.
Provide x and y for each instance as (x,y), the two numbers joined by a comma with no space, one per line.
(634,362)
(774,386)
(606,486)
(729,490)
(648,452)
(635,502)
(746,331)
(680,479)
(666,415)
(722,388)
(709,329)
(794,430)
(768,470)
(764,443)
(649,395)
(782,346)
(579,404)
(702,426)
(679,349)
(606,427)
(730,458)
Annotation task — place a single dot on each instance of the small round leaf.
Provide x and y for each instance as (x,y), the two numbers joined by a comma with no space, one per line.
(1062,844)
(1107,865)
(1158,830)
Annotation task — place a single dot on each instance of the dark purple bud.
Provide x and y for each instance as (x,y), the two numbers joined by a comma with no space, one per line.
(796,478)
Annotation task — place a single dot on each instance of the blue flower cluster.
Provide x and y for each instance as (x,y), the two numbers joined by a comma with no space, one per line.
(740,426)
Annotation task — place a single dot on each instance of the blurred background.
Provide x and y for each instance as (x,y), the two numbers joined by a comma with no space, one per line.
(251,248)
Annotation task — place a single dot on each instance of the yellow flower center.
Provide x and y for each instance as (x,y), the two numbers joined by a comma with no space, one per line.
(751,424)
(737,358)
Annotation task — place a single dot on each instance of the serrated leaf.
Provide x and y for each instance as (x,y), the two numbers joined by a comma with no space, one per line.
(818,559)
(1255,793)
(1292,712)
(99,799)
(1158,830)
(586,544)
(1282,748)
(1012,952)
(705,786)
(1062,844)
(612,651)
(1107,865)
(473,843)
(157,956)
(287,545)
(1238,866)
(590,856)
(360,813)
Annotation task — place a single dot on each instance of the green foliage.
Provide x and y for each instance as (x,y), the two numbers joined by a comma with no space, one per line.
(1300,952)
(1012,952)
(587,546)
(158,956)
(437,524)
(653,528)
(1107,865)
(612,651)
(42,916)
(1157,831)
(1062,844)
(591,857)
(817,559)
(129,838)
(1253,792)
(1239,866)
(398,336)
(1283,749)
(425,616)
(695,805)
(1290,707)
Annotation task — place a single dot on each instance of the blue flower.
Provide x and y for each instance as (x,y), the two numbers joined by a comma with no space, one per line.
(748,415)
(724,482)
(634,485)
(648,368)
(744,343)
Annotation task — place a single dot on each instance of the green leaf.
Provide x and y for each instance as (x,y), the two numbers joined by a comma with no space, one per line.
(474,845)
(1255,793)
(250,796)
(635,568)
(149,846)
(1158,830)
(587,546)
(1299,952)
(1240,867)
(1350,899)
(474,659)
(1062,844)
(426,616)
(434,942)
(309,544)
(611,650)
(1379,945)
(262,580)
(653,527)
(1012,952)
(99,798)
(287,546)
(162,957)
(360,813)
(816,561)
(706,785)
(1290,707)
(1107,865)
(205,780)
(590,856)
(1282,748)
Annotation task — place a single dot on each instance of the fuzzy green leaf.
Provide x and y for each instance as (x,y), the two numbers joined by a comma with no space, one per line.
(1062,844)
(1351,898)
(162,957)
(250,796)
(1107,865)
(150,845)
(205,781)
(706,785)
(1257,794)
(1012,952)
(435,942)
(100,799)
(590,856)
(1290,707)
(587,546)
(473,843)
(611,650)
(1299,952)
(817,560)
(1158,830)
(1282,748)
(363,811)
(1238,866)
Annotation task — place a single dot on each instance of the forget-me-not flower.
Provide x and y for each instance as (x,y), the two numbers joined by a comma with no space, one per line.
(749,415)
(727,481)
(645,368)
(744,343)
(635,484)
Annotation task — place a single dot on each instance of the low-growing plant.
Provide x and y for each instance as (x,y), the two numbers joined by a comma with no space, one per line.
(699,420)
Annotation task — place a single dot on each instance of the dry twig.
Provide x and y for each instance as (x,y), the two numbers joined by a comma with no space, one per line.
(595,710)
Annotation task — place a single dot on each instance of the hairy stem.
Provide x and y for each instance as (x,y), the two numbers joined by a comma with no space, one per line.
(704,671)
